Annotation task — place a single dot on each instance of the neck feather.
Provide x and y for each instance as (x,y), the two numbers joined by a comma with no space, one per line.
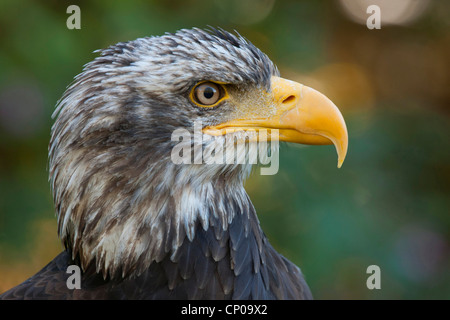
(124,224)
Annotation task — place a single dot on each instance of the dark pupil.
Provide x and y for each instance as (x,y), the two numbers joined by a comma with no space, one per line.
(209,92)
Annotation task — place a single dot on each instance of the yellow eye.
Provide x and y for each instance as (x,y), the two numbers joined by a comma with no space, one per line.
(207,94)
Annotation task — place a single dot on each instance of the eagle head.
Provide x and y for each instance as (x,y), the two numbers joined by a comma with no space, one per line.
(122,201)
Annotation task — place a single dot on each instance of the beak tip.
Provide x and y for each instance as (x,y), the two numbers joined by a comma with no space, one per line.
(342,153)
(341,158)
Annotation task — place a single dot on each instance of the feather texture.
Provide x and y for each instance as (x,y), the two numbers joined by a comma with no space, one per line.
(206,278)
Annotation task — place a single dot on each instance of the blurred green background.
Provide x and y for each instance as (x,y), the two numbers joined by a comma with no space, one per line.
(388,205)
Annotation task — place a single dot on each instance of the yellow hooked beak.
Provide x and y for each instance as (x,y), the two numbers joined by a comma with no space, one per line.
(303,115)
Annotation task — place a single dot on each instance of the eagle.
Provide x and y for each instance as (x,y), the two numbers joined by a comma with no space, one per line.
(139,223)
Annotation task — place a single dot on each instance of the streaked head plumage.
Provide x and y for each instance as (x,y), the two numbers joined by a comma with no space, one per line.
(113,182)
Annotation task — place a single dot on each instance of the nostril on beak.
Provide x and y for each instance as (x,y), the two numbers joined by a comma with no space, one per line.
(288,99)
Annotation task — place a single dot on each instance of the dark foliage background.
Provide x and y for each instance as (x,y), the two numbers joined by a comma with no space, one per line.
(388,205)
